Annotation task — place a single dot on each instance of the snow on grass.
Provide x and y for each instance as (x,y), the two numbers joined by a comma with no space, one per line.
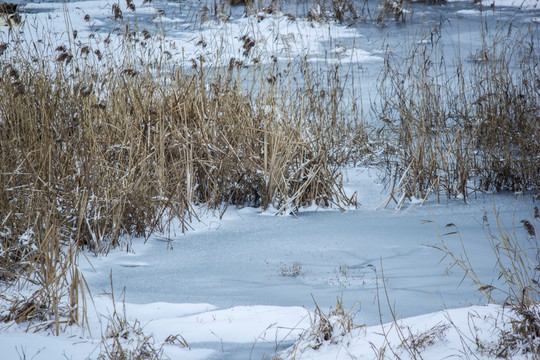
(470,332)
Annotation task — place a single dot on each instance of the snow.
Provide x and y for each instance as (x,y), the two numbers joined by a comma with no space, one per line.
(442,334)
(522,4)
(233,297)
(248,324)
(221,286)
(446,333)
(203,323)
(216,42)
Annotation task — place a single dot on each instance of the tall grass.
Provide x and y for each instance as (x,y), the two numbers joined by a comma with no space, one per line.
(96,145)
(455,132)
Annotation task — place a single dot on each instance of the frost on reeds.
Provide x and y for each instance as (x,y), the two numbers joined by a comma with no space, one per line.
(342,11)
(390,8)
(100,140)
(451,131)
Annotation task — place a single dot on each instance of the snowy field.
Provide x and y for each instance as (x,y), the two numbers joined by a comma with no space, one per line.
(245,284)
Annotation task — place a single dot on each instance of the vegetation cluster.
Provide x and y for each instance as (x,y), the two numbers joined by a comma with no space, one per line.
(100,141)
(452,131)
(96,144)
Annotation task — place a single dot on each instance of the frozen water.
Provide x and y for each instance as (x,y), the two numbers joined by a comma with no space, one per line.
(240,262)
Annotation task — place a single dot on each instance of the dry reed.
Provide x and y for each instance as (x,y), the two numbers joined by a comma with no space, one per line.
(518,265)
(461,132)
(95,146)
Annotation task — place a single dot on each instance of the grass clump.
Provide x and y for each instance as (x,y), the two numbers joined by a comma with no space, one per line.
(390,8)
(292,270)
(342,11)
(126,340)
(454,134)
(325,328)
(96,145)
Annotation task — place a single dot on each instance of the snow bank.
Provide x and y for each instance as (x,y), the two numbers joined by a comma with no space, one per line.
(472,332)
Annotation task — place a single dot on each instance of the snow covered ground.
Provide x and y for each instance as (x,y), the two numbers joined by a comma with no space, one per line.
(454,333)
(245,285)
(227,290)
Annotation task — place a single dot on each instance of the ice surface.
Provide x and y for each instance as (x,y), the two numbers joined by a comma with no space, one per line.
(236,264)
(240,262)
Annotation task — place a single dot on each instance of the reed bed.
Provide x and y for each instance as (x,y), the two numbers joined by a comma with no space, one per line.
(453,132)
(97,145)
